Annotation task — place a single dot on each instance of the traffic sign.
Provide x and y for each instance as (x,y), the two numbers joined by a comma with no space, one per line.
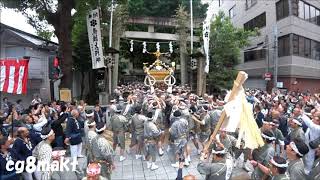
(267,76)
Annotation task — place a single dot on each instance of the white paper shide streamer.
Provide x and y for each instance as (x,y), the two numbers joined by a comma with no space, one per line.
(144,50)
(94,34)
(158,46)
(131,46)
(206,34)
(170,47)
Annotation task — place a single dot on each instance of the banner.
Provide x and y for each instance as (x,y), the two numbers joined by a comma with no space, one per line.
(14,75)
(94,34)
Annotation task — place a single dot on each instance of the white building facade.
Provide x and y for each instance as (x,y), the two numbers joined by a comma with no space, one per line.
(288,43)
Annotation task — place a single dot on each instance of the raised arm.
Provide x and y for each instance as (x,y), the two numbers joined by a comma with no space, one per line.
(309,123)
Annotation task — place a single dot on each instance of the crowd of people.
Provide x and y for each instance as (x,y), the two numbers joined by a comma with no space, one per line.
(158,122)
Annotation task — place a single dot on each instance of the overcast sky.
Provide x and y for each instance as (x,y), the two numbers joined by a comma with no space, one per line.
(18,21)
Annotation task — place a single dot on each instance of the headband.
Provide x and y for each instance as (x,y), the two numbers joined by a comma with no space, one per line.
(294,147)
(266,122)
(46,136)
(92,171)
(268,137)
(279,165)
(90,115)
(102,129)
(219,152)
(297,122)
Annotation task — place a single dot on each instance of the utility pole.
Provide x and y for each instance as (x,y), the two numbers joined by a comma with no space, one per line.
(191,26)
(267,53)
(110,45)
(191,42)
(267,59)
(110,29)
(275,55)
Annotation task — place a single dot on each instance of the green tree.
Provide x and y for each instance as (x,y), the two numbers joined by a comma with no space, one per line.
(80,42)
(164,8)
(182,18)
(46,34)
(226,41)
(82,57)
(199,9)
(157,8)
(119,27)
(56,13)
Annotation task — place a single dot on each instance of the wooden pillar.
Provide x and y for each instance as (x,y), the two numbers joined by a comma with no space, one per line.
(204,83)
(200,73)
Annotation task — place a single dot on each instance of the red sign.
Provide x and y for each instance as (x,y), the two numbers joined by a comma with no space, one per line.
(267,76)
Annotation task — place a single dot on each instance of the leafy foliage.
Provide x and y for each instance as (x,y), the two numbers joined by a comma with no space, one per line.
(46,34)
(182,19)
(161,8)
(226,42)
(119,20)
(37,11)
(158,8)
(57,13)
(199,9)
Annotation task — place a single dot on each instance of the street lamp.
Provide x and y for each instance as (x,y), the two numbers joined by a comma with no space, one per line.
(198,63)
(109,60)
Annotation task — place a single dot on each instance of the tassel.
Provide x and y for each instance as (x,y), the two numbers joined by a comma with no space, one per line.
(248,128)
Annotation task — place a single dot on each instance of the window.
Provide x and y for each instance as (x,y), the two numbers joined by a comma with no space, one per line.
(317,49)
(261,21)
(305,47)
(250,3)
(295,44)
(301,46)
(318,16)
(254,55)
(301,10)
(232,12)
(284,46)
(282,8)
(307,12)
(313,15)
(257,22)
(314,50)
